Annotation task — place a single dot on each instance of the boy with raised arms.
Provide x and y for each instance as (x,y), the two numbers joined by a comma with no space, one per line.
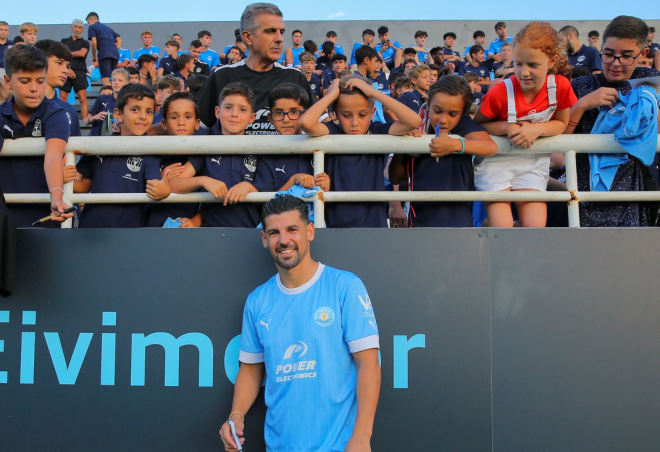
(123,174)
(30,114)
(225,176)
(352,99)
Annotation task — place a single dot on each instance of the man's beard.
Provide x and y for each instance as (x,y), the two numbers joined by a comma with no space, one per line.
(288,265)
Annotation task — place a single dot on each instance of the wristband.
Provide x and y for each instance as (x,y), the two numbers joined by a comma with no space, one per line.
(236,412)
(462,145)
(571,123)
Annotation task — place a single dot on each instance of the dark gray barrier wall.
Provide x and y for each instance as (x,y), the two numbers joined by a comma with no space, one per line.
(491,340)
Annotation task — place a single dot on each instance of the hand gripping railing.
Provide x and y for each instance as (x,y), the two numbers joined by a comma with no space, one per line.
(319,147)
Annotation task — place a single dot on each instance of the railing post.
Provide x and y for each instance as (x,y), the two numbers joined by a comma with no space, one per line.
(571,185)
(70,159)
(319,202)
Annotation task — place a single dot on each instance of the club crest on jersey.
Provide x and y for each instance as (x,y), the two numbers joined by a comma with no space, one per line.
(250,163)
(36,132)
(581,58)
(324,316)
(134,164)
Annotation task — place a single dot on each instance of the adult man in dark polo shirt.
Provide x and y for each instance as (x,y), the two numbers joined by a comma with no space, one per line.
(262,30)
(578,53)
(105,46)
(77,80)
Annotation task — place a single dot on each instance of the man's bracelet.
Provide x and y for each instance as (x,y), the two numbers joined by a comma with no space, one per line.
(236,412)
(56,188)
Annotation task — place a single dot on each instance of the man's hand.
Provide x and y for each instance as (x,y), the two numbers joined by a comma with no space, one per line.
(358,444)
(397,216)
(72,75)
(226,436)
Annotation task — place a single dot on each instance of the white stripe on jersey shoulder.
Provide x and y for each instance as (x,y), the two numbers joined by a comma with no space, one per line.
(225,66)
(365,343)
(287,67)
(250,358)
(304,287)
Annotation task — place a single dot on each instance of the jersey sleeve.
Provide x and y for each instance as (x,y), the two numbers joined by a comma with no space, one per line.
(91,32)
(197,162)
(152,170)
(357,317)
(494,104)
(264,179)
(251,349)
(84,166)
(57,126)
(565,96)
(466,126)
(407,100)
(380,128)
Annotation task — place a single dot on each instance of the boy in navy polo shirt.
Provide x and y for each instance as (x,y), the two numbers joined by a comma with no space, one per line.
(59,59)
(121,174)
(338,65)
(208,55)
(186,65)
(168,64)
(5,44)
(30,114)
(352,99)
(420,77)
(578,53)
(225,176)
(307,66)
(324,61)
(479,38)
(105,104)
(147,48)
(475,66)
(105,46)
(287,102)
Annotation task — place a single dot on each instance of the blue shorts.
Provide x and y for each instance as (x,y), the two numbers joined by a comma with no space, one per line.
(106,66)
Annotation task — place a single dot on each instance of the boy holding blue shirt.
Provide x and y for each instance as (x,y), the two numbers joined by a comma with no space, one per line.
(30,114)
(352,99)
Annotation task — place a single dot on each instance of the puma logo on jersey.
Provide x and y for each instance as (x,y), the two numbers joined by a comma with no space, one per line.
(216,160)
(6,127)
(261,322)
(280,169)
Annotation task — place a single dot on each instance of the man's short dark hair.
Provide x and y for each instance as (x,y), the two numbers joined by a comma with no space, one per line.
(52,48)
(331,34)
(237,89)
(203,33)
(183,60)
(196,43)
(435,50)
(24,58)
(289,91)
(282,204)
(569,29)
(145,58)
(382,30)
(368,31)
(409,51)
(328,47)
(476,49)
(92,14)
(364,52)
(478,34)
(178,96)
(627,27)
(500,24)
(310,46)
(421,34)
(338,57)
(296,31)
(449,34)
(594,34)
(135,91)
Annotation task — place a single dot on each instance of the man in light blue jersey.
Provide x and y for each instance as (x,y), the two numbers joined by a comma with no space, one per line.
(312,330)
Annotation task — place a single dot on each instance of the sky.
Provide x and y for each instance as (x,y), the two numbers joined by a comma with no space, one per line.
(121,11)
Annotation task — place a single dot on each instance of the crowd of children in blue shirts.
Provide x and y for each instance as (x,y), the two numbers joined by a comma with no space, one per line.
(541,83)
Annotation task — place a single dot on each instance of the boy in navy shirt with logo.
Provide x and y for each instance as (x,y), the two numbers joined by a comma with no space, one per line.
(59,58)
(168,64)
(121,174)
(225,176)
(307,66)
(30,114)
(352,99)
(477,57)
(420,77)
(338,65)
(287,103)
(105,104)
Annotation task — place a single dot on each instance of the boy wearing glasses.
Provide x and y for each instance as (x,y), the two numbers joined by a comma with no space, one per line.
(624,44)
(287,103)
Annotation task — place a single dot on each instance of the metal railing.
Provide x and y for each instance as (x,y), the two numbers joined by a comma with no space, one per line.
(319,147)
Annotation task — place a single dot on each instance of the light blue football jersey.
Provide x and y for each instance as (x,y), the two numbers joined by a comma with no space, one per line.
(305,337)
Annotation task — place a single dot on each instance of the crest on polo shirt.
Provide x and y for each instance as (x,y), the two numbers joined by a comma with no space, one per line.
(581,58)
(134,164)
(250,163)
(36,132)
